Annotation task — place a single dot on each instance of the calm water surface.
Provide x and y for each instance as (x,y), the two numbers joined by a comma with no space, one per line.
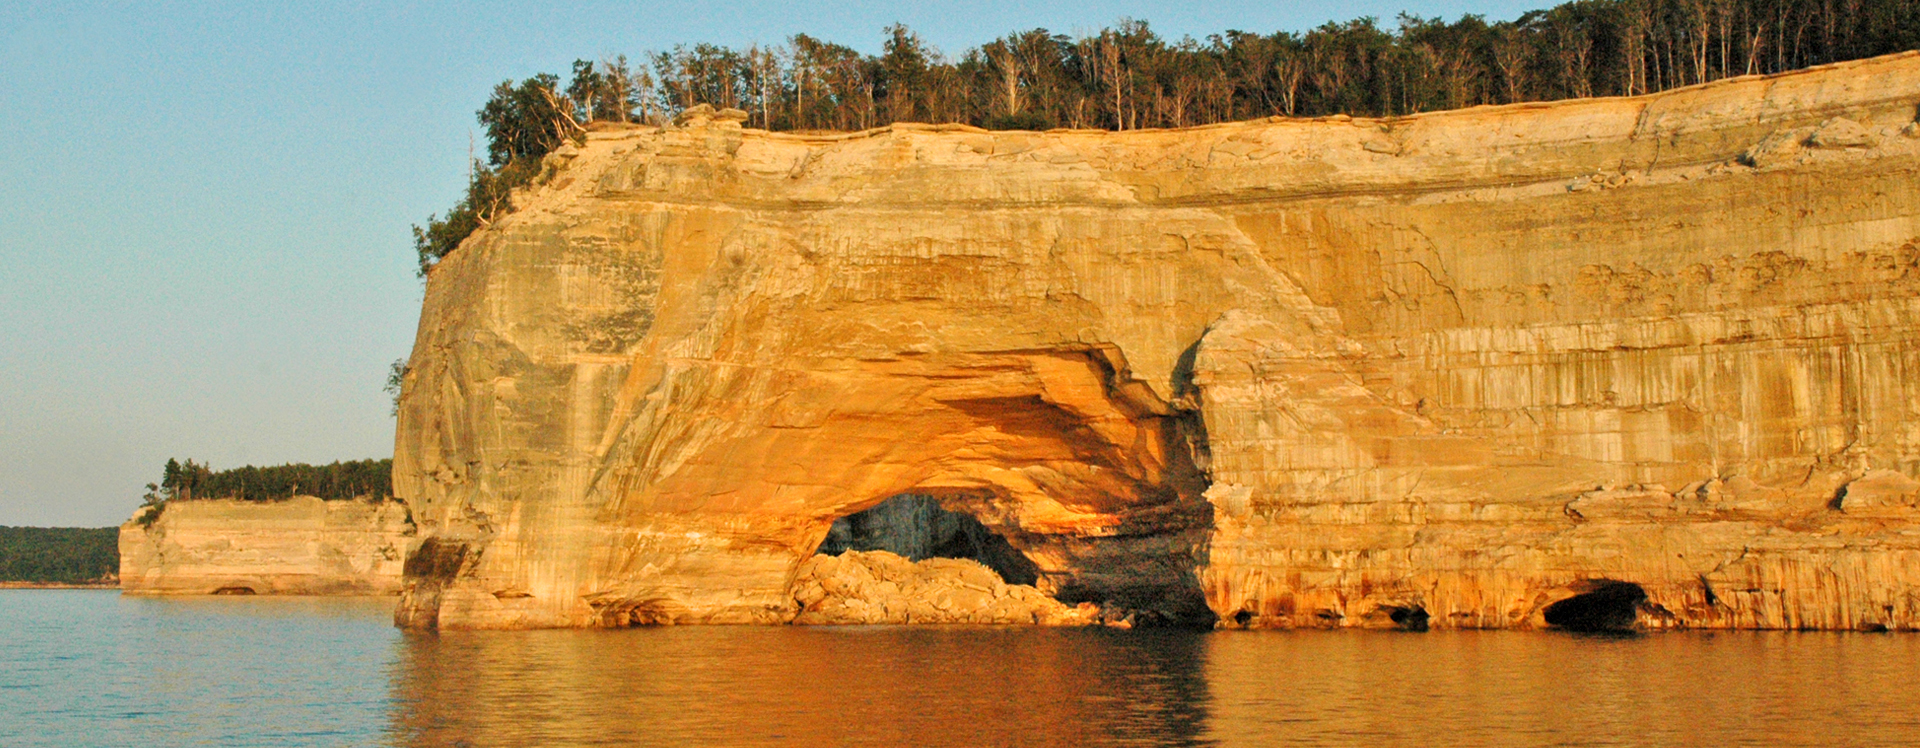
(93,668)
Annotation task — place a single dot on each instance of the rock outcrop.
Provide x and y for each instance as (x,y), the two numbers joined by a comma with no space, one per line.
(881,587)
(918,528)
(301,546)
(1453,369)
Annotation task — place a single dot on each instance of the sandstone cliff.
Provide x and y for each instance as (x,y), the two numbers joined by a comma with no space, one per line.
(1454,369)
(302,546)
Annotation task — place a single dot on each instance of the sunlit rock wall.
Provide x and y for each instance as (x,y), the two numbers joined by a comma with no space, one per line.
(1292,373)
(301,546)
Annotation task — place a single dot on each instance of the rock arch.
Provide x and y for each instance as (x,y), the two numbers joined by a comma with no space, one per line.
(1082,469)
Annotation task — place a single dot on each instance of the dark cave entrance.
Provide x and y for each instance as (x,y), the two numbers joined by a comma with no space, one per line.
(1606,605)
(918,528)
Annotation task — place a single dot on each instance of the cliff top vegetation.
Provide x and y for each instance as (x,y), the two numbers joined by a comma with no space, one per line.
(338,481)
(1126,77)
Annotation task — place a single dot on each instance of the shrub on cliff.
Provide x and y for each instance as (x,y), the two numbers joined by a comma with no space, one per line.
(396,380)
(523,123)
(488,191)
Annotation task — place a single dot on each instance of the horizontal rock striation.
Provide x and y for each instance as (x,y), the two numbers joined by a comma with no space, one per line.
(300,546)
(1453,369)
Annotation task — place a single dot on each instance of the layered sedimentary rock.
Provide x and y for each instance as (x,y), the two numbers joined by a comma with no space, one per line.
(301,546)
(1507,366)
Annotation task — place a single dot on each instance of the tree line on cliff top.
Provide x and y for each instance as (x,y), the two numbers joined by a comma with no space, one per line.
(1126,77)
(338,481)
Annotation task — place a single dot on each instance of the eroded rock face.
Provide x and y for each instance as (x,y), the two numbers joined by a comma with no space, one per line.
(1450,368)
(301,546)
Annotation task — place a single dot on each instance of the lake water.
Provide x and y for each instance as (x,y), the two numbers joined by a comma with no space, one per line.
(93,668)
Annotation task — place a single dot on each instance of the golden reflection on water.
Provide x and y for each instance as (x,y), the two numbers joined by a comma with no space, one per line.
(1532,688)
(800,686)
(931,686)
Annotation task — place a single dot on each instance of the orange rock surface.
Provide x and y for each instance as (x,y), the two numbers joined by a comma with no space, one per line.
(1332,372)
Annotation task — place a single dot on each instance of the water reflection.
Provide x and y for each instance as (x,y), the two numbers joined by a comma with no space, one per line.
(801,686)
(1525,689)
(94,668)
(958,686)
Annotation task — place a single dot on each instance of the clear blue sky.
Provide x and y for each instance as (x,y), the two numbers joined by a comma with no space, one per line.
(204,208)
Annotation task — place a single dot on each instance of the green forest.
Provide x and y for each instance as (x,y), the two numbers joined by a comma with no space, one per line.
(1126,77)
(339,481)
(58,555)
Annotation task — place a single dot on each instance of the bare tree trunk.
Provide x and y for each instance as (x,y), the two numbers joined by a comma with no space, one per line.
(1754,45)
(1663,62)
(565,123)
(1780,38)
(1700,26)
(1725,12)
(1826,30)
(1510,55)
(1110,52)
(1572,46)
(1009,66)
(1633,45)
(1290,70)
(800,94)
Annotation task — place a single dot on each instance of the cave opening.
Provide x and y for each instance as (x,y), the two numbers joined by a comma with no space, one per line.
(1606,606)
(1408,617)
(918,528)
